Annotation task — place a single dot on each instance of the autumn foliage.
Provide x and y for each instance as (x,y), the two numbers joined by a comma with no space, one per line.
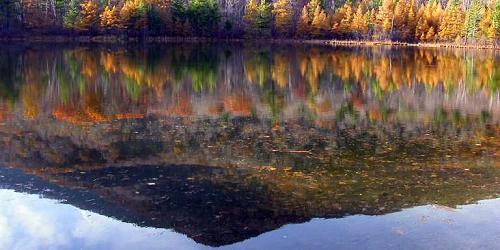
(395,20)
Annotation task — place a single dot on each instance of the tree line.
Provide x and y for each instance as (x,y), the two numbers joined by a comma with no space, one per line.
(395,20)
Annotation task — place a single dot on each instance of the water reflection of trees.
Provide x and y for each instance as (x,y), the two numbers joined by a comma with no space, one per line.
(289,133)
(89,85)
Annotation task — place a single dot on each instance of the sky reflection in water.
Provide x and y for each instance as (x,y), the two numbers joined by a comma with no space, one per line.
(30,222)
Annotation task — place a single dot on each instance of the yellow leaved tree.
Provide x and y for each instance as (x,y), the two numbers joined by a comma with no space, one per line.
(89,16)
(110,18)
(283,16)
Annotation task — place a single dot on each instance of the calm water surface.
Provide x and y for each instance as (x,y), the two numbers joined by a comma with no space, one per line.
(194,146)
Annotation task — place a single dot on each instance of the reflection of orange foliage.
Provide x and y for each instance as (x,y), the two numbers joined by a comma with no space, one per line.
(216,109)
(312,65)
(182,106)
(109,62)
(95,116)
(131,68)
(357,102)
(374,114)
(484,73)
(325,123)
(70,115)
(76,116)
(426,67)
(93,106)
(89,63)
(127,116)
(303,62)
(299,90)
(29,97)
(3,111)
(138,74)
(279,69)
(238,104)
(79,117)
(322,106)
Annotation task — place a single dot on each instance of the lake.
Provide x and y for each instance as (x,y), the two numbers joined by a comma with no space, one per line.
(248,146)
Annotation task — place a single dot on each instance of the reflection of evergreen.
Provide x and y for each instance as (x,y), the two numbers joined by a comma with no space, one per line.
(470,75)
(275,101)
(494,80)
(200,64)
(69,76)
(376,90)
(347,110)
(10,75)
(153,59)
(440,116)
(133,89)
(259,63)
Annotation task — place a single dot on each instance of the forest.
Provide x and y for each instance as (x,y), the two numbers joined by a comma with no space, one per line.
(414,21)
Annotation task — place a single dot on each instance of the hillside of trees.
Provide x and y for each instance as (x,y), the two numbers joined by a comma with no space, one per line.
(461,21)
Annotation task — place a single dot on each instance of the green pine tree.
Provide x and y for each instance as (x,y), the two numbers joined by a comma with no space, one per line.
(71,16)
(9,14)
(472,19)
(496,19)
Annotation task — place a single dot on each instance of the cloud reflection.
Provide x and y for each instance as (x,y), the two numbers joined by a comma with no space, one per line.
(30,222)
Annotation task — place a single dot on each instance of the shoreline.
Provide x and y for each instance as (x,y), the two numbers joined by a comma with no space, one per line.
(122,39)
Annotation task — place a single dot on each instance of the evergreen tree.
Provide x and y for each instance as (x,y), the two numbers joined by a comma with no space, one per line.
(60,8)
(89,16)
(312,5)
(10,14)
(258,18)
(250,17)
(109,18)
(422,25)
(264,17)
(430,36)
(385,19)
(283,16)
(342,21)
(71,16)
(400,26)
(179,18)
(360,22)
(204,16)
(452,22)
(178,10)
(486,29)
(187,28)
(472,19)
(320,24)
(159,15)
(371,19)
(429,21)
(496,19)
(303,26)
(154,19)
(133,15)
(412,20)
